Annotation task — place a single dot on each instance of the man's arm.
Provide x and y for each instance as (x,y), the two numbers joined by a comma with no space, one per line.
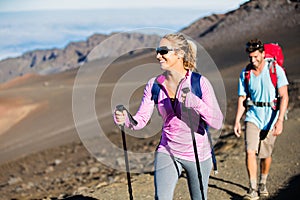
(284,100)
(240,111)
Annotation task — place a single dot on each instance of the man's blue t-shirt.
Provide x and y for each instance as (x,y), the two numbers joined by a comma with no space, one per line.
(261,89)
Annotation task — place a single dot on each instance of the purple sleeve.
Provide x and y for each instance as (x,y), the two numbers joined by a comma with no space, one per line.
(207,107)
(145,110)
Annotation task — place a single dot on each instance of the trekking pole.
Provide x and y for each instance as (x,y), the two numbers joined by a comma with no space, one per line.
(185,91)
(121,108)
(213,155)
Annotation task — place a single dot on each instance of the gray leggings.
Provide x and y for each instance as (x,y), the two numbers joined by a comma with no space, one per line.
(168,170)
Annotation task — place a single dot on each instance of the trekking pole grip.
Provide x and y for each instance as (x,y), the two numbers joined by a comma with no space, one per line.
(121,108)
(185,91)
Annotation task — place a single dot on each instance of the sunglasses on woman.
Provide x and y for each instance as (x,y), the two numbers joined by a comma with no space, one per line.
(163,50)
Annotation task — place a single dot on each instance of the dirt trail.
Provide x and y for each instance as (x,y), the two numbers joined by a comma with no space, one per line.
(231,181)
(69,172)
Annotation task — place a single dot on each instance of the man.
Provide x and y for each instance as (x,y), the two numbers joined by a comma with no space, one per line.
(263,122)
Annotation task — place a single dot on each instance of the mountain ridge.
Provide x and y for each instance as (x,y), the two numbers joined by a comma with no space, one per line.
(211,31)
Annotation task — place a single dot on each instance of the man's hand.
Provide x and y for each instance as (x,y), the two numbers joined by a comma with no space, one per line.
(237,129)
(278,127)
(240,111)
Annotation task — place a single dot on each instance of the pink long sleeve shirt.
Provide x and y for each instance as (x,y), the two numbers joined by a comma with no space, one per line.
(176,137)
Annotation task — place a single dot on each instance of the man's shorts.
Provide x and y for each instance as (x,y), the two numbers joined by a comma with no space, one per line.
(262,146)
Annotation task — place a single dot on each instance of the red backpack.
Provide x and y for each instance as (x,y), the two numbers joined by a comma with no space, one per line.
(273,51)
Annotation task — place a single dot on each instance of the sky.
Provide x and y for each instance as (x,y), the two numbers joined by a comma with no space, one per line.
(27,25)
(29,5)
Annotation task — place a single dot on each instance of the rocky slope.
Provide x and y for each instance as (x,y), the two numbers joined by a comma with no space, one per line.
(225,35)
(217,33)
(72,56)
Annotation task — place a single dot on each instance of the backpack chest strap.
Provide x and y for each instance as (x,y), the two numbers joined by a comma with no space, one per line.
(272,104)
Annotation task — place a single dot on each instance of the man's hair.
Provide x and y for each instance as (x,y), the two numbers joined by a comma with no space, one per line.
(254,45)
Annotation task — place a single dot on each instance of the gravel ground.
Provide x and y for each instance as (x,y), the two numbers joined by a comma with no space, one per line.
(69,172)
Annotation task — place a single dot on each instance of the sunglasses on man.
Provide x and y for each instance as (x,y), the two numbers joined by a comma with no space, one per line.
(163,50)
(254,45)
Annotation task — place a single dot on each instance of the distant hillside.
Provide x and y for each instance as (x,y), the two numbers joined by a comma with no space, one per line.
(223,36)
(251,19)
(72,56)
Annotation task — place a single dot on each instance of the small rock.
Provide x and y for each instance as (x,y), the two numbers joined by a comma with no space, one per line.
(62,196)
(94,170)
(120,161)
(101,185)
(57,162)
(46,83)
(49,169)
(82,189)
(14,180)
(28,186)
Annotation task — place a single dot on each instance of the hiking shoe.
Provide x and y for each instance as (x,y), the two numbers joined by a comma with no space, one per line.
(251,195)
(262,190)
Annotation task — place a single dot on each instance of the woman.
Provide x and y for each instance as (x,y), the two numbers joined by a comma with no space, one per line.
(177,57)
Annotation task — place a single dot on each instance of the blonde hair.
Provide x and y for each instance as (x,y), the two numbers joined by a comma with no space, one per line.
(187,46)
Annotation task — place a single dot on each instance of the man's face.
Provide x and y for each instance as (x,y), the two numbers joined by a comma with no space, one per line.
(256,58)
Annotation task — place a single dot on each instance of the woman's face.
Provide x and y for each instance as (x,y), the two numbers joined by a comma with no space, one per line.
(166,55)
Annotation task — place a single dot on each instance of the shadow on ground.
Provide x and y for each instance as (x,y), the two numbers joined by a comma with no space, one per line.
(291,191)
(79,197)
(234,196)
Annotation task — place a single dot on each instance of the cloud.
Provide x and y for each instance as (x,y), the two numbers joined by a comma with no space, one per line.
(17,5)
(29,30)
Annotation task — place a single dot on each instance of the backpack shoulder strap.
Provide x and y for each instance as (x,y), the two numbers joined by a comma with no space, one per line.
(196,89)
(247,78)
(273,74)
(155,92)
(195,83)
